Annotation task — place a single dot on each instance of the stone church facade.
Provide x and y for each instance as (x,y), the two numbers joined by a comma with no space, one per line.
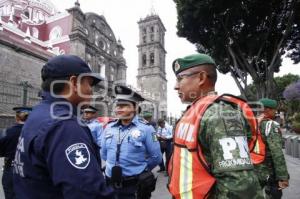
(151,76)
(32,31)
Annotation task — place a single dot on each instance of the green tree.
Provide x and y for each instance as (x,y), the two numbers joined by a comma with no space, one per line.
(281,83)
(245,37)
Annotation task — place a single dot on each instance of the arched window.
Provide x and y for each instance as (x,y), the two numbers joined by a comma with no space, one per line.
(152,29)
(144,31)
(144,59)
(55,33)
(152,37)
(152,58)
(101,44)
(35,32)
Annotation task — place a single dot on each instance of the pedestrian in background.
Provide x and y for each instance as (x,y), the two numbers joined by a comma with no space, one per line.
(272,172)
(148,116)
(164,136)
(90,119)
(130,148)
(56,157)
(8,144)
(211,156)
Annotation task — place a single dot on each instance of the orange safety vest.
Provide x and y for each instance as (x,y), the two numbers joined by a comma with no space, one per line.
(189,172)
(257,147)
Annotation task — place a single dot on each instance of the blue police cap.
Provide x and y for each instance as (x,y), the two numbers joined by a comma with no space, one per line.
(67,65)
(22,109)
(124,93)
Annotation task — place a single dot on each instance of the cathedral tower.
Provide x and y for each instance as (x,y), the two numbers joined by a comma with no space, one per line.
(151,70)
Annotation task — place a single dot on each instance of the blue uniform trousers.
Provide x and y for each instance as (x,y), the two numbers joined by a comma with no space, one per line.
(7,182)
(166,149)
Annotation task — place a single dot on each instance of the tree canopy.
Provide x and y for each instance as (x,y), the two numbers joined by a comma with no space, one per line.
(245,37)
(292,92)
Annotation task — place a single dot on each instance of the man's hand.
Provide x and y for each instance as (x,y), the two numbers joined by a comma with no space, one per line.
(282,184)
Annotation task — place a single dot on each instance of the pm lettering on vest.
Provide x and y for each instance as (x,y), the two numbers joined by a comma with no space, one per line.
(185,132)
(235,153)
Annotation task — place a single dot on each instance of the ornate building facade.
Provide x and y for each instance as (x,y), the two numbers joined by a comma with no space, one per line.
(32,31)
(151,76)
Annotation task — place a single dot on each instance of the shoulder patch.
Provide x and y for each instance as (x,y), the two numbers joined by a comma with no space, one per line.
(154,137)
(78,155)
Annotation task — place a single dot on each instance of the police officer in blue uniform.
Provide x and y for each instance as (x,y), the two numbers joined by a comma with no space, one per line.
(165,138)
(56,157)
(90,119)
(130,148)
(8,144)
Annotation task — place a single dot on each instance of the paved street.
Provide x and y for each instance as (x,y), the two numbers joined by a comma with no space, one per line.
(293,192)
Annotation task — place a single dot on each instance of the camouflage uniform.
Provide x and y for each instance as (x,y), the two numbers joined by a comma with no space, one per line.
(234,173)
(274,167)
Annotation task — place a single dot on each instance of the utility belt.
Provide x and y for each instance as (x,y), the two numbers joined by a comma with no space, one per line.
(8,163)
(145,182)
(166,140)
(125,181)
(164,143)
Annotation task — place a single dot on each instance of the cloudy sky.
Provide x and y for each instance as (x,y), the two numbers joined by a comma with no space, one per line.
(122,16)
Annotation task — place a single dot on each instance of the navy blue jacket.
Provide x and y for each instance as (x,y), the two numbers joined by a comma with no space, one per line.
(9,140)
(56,157)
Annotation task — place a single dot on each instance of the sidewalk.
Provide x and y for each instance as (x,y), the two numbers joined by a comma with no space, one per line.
(293,191)
(161,192)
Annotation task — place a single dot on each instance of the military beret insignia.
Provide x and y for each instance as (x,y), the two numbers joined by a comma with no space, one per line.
(176,66)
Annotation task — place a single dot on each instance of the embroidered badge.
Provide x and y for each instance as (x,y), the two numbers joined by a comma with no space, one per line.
(78,155)
(176,66)
(154,137)
(135,133)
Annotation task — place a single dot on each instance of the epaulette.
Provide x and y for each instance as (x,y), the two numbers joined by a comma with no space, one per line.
(142,120)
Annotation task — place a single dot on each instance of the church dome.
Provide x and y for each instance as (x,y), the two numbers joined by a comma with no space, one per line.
(34,12)
(43,5)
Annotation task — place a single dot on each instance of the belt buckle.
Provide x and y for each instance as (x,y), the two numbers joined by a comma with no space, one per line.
(118,185)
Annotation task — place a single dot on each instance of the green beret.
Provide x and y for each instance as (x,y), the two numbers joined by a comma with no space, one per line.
(268,103)
(147,114)
(181,64)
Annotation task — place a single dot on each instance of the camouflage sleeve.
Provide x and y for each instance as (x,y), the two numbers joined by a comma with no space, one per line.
(223,136)
(274,142)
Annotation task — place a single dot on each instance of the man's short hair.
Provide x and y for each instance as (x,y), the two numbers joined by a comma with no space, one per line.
(56,85)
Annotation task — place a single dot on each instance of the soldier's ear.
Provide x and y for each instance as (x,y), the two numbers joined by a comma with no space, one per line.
(202,77)
(73,83)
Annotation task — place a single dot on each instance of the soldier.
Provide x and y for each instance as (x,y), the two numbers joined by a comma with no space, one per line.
(148,117)
(90,119)
(130,148)
(272,172)
(8,144)
(56,158)
(210,156)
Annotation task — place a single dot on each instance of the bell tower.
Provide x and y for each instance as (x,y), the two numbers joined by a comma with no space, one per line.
(151,76)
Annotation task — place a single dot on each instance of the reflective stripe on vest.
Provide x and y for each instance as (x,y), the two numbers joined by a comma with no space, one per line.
(189,175)
(188,170)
